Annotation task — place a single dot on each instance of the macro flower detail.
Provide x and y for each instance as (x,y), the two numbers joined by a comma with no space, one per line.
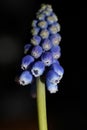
(56,52)
(46,44)
(26,61)
(36,52)
(43,50)
(55,39)
(35,40)
(53,77)
(52,88)
(38,68)
(25,78)
(47,58)
(58,69)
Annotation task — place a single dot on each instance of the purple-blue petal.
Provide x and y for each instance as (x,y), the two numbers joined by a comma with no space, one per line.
(38,68)
(25,78)
(26,61)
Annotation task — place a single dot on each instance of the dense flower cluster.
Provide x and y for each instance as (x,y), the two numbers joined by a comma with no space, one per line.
(43,52)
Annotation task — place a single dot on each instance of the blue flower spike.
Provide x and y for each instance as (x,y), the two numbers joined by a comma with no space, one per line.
(26,61)
(25,78)
(36,51)
(43,52)
(53,77)
(52,88)
(38,68)
(47,58)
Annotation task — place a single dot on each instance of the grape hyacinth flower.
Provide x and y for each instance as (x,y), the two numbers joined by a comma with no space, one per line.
(36,51)
(44,50)
(42,58)
(25,78)
(52,77)
(56,52)
(52,88)
(26,61)
(47,58)
(38,68)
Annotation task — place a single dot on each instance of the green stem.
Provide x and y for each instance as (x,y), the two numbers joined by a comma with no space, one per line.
(41,105)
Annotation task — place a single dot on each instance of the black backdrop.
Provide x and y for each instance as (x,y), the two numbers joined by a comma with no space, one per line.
(17,107)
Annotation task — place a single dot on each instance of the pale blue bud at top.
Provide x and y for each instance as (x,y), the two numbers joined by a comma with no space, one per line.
(56,52)
(53,29)
(47,58)
(36,40)
(50,20)
(52,77)
(46,44)
(52,88)
(25,78)
(34,23)
(55,39)
(54,16)
(40,16)
(44,33)
(47,12)
(57,26)
(42,24)
(26,61)
(27,48)
(36,51)
(58,69)
(38,68)
(35,31)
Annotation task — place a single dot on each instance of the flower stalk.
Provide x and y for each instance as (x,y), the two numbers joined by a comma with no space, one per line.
(41,104)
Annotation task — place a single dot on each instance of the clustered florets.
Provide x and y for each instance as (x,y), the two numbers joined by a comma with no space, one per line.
(43,52)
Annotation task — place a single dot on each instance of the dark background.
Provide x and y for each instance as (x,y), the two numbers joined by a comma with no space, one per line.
(67,108)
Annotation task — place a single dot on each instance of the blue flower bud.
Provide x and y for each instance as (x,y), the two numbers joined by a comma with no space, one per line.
(53,29)
(26,61)
(50,20)
(55,61)
(38,68)
(55,39)
(46,44)
(36,40)
(58,69)
(57,26)
(40,16)
(42,24)
(47,12)
(52,88)
(35,31)
(25,78)
(34,23)
(26,48)
(47,58)
(56,52)
(44,33)
(36,51)
(55,17)
(52,77)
